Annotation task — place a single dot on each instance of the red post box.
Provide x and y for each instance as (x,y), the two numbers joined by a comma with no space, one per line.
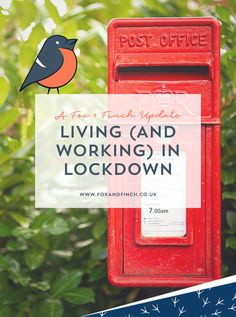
(169,55)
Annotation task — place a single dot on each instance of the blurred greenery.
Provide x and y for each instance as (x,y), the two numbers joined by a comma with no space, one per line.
(53,262)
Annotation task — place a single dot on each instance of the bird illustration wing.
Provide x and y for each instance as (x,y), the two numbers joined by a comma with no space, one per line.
(45,65)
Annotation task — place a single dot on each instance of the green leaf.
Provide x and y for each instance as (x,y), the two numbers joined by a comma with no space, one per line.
(50,222)
(16,245)
(24,233)
(8,146)
(23,221)
(52,10)
(225,269)
(231,219)
(65,254)
(99,229)
(66,282)
(231,243)
(45,216)
(3,263)
(49,308)
(23,309)
(34,257)
(97,273)
(3,20)
(41,241)
(4,285)
(80,296)
(10,181)
(229,195)
(99,253)
(6,311)
(8,118)
(4,90)
(36,36)
(9,264)
(56,226)
(228,177)
(12,265)
(42,285)
(6,229)
(26,55)
(25,13)
(22,279)
(223,13)
(12,296)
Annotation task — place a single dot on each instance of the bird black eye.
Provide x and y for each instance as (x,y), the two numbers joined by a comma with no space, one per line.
(57,42)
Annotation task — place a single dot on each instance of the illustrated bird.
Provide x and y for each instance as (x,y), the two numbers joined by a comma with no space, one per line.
(55,64)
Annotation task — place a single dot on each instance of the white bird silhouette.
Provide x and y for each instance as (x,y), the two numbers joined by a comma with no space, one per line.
(156,308)
(144,310)
(234,296)
(129,315)
(216,313)
(205,302)
(233,307)
(199,293)
(175,301)
(103,313)
(220,302)
(181,311)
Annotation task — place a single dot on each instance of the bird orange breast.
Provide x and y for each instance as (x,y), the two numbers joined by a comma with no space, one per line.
(65,73)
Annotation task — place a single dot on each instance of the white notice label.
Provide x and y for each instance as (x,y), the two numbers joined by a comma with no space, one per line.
(158,222)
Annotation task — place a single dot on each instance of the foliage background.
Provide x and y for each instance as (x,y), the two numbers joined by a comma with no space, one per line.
(53,263)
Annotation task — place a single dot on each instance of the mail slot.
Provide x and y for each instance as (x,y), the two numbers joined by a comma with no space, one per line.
(169,56)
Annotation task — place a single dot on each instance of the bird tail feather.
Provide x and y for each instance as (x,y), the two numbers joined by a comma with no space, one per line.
(25,84)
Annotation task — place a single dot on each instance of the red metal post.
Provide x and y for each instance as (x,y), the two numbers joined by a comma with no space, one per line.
(169,55)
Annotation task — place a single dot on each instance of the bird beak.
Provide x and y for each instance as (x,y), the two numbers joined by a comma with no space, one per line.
(70,44)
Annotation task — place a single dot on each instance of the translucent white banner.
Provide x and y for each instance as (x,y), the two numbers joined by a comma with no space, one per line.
(118,151)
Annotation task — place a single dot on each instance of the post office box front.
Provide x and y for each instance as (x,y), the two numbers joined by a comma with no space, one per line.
(169,56)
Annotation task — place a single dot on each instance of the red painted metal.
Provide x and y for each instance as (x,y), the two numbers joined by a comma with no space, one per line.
(169,55)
